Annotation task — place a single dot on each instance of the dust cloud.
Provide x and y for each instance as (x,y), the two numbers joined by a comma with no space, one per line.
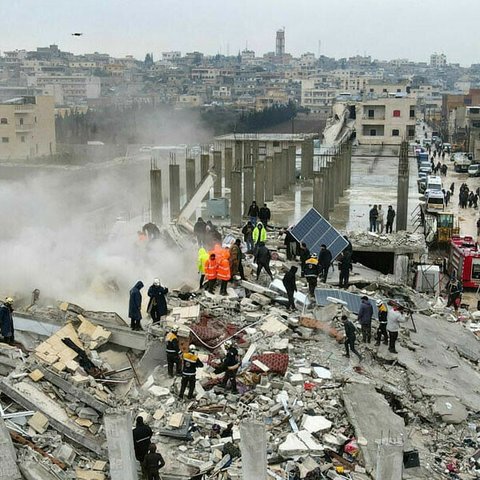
(72,233)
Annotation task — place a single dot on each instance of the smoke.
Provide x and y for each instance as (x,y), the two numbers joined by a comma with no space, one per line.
(71,232)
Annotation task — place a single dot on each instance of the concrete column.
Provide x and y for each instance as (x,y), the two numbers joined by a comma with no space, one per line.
(217,165)
(156,199)
(236,198)
(190,177)
(228,166)
(174,190)
(349,164)
(277,177)
(238,156)
(319,192)
(253,446)
(247,152)
(402,188)
(269,179)
(307,159)
(292,159)
(204,167)
(331,186)
(121,455)
(8,457)
(285,170)
(248,193)
(260,182)
(338,177)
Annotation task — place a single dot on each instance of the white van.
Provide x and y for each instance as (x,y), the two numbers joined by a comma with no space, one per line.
(434,184)
(435,200)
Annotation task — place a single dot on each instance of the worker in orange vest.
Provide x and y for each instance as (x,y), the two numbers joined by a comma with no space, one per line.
(223,274)
(211,268)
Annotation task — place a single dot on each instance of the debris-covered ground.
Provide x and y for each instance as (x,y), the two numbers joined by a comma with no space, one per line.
(412,415)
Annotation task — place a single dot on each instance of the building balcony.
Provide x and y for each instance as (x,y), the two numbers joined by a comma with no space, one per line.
(24,108)
(374,119)
(26,127)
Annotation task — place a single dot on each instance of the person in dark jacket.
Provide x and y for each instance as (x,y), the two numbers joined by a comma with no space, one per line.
(151,230)
(247,231)
(172,349)
(264,215)
(6,321)
(350,337)
(382,323)
(142,434)
(344,267)
(324,262)
(135,306)
(253,212)
(290,243)
(152,463)
(262,259)
(200,229)
(290,284)
(190,362)
(373,215)
(231,364)
(311,273)
(236,265)
(365,315)
(304,256)
(390,218)
(157,305)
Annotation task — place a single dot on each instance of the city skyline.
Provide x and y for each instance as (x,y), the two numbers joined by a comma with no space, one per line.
(123,28)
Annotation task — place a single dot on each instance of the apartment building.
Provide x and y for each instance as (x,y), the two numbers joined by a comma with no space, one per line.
(74,88)
(27,127)
(438,60)
(355,81)
(317,95)
(386,121)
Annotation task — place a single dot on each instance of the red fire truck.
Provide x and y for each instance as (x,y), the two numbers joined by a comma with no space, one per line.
(465,260)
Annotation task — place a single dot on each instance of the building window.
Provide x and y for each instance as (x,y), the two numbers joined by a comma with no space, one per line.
(5,140)
(395,133)
(22,139)
(371,114)
(373,133)
(21,121)
(4,121)
(385,90)
(411,132)
(412,113)
(396,113)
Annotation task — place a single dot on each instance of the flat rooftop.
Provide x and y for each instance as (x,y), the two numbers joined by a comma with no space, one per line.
(268,137)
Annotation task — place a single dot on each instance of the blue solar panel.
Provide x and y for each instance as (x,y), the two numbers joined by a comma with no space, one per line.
(314,230)
(352,300)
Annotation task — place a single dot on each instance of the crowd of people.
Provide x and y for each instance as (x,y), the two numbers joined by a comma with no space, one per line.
(377,219)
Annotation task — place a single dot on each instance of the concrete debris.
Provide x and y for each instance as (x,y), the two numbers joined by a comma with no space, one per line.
(301,410)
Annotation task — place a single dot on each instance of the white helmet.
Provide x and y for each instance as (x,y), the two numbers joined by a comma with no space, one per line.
(379,302)
(8,300)
(228,343)
(192,348)
(156,282)
(174,329)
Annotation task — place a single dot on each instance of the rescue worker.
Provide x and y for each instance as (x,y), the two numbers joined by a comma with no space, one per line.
(6,321)
(173,351)
(142,434)
(202,258)
(311,273)
(350,337)
(290,284)
(344,267)
(157,305)
(304,256)
(223,274)
(262,259)
(236,265)
(365,314)
(382,323)
(259,235)
(211,267)
(190,364)
(152,463)
(394,319)
(231,364)
(135,306)
(324,262)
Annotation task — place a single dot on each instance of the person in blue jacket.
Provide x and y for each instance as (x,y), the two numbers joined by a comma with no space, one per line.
(135,306)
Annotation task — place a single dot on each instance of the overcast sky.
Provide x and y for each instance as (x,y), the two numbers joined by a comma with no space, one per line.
(384,29)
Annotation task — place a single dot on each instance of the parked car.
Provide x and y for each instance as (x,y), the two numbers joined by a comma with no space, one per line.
(474,170)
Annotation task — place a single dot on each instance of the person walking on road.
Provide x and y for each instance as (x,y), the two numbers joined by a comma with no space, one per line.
(135,306)
(350,337)
(382,323)
(394,319)
(390,218)
(365,315)
(290,284)
(157,305)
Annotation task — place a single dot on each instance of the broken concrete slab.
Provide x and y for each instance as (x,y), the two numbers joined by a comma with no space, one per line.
(372,422)
(316,423)
(450,409)
(38,422)
(253,446)
(8,458)
(272,325)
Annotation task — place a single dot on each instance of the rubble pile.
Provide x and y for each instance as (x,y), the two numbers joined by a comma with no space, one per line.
(323,416)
